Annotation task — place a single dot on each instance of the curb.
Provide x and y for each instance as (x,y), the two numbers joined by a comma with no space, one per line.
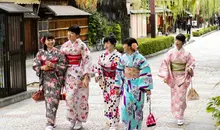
(16,98)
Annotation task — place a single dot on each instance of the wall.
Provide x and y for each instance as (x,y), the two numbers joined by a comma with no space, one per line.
(138,25)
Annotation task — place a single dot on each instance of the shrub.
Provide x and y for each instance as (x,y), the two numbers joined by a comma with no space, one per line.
(99,26)
(119,47)
(204,31)
(187,37)
(117,31)
(214,107)
(148,46)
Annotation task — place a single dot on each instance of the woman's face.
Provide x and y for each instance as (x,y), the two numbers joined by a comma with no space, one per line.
(109,46)
(50,43)
(179,44)
(72,36)
(126,48)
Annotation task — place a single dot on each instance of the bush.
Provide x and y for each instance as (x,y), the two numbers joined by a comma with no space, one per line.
(214,108)
(99,27)
(117,31)
(187,36)
(204,31)
(151,45)
(119,48)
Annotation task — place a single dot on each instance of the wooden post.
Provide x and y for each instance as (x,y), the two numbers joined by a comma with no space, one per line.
(152,12)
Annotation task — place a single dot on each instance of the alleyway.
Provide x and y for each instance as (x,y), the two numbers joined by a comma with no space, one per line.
(28,115)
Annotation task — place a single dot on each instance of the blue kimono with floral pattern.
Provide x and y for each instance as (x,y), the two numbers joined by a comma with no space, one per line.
(133,90)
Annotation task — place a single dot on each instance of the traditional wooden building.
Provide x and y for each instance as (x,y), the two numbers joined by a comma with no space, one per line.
(140,21)
(56,20)
(12,49)
(50,16)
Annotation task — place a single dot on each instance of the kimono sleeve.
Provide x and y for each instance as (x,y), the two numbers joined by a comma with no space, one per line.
(37,63)
(190,64)
(145,81)
(60,67)
(86,60)
(164,70)
(119,76)
(98,69)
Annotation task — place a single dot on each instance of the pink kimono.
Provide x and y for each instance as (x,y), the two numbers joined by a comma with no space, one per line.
(79,64)
(174,69)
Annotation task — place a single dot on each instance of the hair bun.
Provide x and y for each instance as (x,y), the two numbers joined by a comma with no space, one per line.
(112,35)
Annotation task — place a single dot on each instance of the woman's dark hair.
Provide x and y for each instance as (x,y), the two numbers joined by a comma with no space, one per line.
(129,41)
(74,29)
(47,36)
(110,39)
(181,37)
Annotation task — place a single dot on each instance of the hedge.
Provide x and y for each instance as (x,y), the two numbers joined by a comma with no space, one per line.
(204,31)
(148,46)
(187,36)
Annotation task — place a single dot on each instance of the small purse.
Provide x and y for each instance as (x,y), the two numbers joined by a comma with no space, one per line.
(192,94)
(38,96)
(150,119)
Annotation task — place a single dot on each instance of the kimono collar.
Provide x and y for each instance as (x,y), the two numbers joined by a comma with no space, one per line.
(53,49)
(107,52)
(133,54)
(181,50)
(78,40)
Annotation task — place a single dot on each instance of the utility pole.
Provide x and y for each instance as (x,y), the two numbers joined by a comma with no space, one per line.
(152,15)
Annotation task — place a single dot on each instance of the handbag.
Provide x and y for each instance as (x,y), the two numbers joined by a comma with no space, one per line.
(192,94)
(150,119)
(38,96)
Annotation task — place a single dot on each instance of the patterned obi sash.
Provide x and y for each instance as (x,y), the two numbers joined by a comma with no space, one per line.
(131,73)
(180,67)
(74,59)
(108,71)
(52,61)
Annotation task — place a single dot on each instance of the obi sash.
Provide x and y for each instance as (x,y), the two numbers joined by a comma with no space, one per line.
(131,73)
(108,71)
(52,61)
(180,67)
(74,59)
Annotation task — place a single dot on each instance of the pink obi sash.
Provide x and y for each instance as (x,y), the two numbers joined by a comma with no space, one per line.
(74,59)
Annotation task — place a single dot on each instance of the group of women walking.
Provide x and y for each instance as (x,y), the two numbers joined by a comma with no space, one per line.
(122,77)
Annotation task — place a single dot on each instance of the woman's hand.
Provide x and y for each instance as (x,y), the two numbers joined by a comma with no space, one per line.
(44,68)
(148,92)
(50,64)
(96,79)
(165,81)
(190,71)
(86,81)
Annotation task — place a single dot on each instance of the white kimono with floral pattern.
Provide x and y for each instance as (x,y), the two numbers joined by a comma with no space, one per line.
(108,61)
(76,94)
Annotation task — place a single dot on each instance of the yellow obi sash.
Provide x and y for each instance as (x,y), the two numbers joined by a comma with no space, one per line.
(131,73)
(178,67)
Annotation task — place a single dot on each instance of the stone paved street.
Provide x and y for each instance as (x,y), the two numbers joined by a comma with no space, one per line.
(28,115)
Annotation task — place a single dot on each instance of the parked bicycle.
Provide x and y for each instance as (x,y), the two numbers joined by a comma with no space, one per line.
(100,44)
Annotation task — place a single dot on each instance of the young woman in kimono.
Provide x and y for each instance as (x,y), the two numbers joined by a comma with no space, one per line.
(50,66)
(77,78)
(177,70)
(105,75)
(133,80)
